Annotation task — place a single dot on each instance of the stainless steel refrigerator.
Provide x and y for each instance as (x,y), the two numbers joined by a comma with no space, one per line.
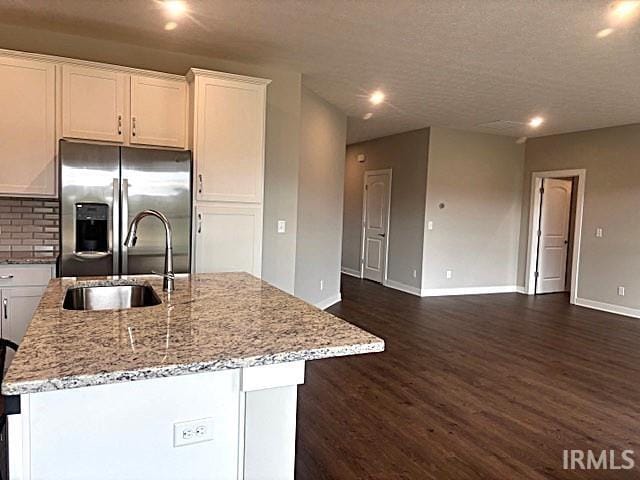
(102,187)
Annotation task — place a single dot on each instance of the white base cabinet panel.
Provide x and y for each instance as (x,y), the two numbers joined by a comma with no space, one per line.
(21,287)
(228,239)
(126,430)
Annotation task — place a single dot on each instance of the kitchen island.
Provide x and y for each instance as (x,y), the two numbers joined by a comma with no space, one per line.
(201,386)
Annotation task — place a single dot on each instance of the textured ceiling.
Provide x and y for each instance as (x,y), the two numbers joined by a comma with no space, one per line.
(457,63)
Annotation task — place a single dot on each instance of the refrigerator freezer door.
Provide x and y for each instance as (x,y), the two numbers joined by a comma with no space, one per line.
(88,173)
(159,180)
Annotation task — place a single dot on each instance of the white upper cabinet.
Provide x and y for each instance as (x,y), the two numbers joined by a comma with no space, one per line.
(93,103)
(158,111)
(27,127)
(229,136)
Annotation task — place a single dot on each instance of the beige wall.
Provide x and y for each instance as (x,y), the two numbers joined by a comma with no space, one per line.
(478,177)
(611,157)
(406,155)
(323,134)
(283,123)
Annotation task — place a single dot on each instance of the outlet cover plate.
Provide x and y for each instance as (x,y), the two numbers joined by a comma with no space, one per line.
(192,431)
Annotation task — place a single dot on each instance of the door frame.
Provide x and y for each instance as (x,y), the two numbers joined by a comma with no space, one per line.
(367,174)
(534,226)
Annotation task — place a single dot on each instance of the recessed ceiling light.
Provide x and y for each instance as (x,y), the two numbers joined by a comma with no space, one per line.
(535,122)
(377,97)
(624,9)
(174,8)
(170,25)
(605,32)
(367,116)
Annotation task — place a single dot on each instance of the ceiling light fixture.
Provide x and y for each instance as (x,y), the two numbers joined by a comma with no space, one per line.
(624,9)
(535,122)
(367,116)
(170,26)
(605,32)
(174,8)
(377,97)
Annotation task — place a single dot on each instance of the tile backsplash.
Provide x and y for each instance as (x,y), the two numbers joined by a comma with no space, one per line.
(29,227)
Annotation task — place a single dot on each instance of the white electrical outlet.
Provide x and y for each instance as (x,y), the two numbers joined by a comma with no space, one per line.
(599,232)
(621,291)
(321,285)
(415,273)
(449,274)
(193,431)
(282,226)
(430,225)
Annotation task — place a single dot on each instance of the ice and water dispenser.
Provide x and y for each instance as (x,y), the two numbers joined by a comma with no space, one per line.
(92,228)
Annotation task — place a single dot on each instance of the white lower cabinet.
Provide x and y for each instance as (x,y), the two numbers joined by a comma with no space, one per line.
(228,238)
(21,287)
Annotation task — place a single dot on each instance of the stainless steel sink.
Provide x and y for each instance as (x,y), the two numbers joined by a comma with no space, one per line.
(110,297)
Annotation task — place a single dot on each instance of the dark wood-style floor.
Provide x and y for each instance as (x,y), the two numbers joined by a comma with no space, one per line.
(491,387)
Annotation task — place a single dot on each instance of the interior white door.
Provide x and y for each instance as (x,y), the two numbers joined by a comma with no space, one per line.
(158,111)
(92,103)
(555,213)
(376,215)
(27,127)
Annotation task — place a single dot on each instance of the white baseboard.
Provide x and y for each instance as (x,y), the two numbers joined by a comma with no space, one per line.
(608,307)
(442,292)
(350,271)
(402,287)
(522,290)
(324,304)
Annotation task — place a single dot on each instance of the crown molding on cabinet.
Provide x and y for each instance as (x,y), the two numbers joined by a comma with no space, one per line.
(86,63)
(225,76)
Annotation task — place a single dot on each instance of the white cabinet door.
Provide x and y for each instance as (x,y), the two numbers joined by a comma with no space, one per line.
(18,306)
(228,239)
(158,111)
(92,103)
(229,139)
(27,127)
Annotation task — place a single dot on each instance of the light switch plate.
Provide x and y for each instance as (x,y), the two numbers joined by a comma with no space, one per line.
(192,431)
(282,226)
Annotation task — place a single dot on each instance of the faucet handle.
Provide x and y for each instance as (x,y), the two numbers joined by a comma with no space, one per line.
(165,275)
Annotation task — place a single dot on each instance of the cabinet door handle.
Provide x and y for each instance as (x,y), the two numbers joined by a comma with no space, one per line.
(199,223)
(6,277)
(5,308)
(133,126)
(199,183)
(119,124)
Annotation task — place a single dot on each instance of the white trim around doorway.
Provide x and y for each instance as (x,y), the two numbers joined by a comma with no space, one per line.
(367,173)
(534,226)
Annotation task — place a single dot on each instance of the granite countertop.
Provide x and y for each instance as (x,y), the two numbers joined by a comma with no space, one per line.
(210,322)
(16,260)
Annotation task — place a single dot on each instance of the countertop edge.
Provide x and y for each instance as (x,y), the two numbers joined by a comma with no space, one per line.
(78,381)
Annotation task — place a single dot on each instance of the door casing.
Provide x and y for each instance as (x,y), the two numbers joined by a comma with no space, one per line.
(534,226)
(367,174)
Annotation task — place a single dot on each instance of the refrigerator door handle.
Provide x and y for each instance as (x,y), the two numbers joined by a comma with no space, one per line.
(125,225)
(115,226)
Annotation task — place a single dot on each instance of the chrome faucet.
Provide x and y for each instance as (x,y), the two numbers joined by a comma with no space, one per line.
(130,241)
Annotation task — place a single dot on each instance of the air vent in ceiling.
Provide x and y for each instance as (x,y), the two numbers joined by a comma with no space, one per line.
(502,126)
